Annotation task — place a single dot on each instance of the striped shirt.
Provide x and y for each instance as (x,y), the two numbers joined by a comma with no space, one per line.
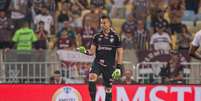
(141,39)
(160,42)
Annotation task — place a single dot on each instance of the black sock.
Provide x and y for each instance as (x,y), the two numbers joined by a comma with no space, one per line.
(108,97)
(92,90)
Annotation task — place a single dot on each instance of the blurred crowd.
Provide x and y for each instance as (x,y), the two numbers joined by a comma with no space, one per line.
(66,24)
(146,24)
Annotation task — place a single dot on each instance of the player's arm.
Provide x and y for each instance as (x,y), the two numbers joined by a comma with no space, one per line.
(117,73)
(193,52)
(120,55)
(118,70)
(92,50)
(194,46)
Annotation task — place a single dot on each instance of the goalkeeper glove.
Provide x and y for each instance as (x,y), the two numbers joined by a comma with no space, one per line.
(82,49)
(117,72)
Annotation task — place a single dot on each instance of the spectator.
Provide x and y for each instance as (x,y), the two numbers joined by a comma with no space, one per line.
(176,8)
(20,9)
(84,3)
(183,40)
(37,7)
(87,33)
(127,37)
(76,11)
(6,30)
(57,78)
(47,19)
(128,77)
(4,4)
(160,40)
(141,36)
(63,5)
(129,25)
(91,18)
(65,42)
(108,6)
(97,3)
(69,29)
(127,40)
(42,36)
(176,11)
(173,72)
(52,42)
(63,16)
(160,21)
(51,5)
(118,8)
(141,9)
(24,37)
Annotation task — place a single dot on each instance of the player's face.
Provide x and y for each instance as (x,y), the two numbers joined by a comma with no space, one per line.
(105,24)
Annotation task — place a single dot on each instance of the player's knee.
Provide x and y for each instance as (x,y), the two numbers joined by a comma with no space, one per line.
(92,77)
(108,90)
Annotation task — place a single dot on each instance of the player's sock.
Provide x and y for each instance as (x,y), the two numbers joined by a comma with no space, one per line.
(92,90)
(108,97)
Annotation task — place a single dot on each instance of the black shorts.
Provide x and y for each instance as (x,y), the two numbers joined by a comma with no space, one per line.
(105,71)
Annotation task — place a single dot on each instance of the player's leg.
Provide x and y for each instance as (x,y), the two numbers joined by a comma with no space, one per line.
(107,78)
(93,75)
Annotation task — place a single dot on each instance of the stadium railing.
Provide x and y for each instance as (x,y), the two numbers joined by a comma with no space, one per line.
(14,68)
(149,72)
(36,72)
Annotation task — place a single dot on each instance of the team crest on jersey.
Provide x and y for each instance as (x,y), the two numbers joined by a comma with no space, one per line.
(99,39)
(112,40)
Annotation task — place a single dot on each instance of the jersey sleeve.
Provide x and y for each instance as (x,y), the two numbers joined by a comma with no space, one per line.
(15,37)
(34,38)
(118,42)
(95,40)
(196,40)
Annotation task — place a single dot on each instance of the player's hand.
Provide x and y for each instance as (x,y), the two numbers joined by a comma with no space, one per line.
(82,49)
(116,74)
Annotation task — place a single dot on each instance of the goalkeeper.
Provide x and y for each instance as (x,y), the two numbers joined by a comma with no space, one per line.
(106,47)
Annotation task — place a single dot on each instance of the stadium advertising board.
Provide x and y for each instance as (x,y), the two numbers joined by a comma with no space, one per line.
(80,93)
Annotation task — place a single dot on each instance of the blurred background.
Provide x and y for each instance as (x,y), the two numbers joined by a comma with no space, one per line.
(38,40)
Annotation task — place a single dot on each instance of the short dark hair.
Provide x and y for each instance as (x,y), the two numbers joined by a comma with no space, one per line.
(106,17)
(41,22)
